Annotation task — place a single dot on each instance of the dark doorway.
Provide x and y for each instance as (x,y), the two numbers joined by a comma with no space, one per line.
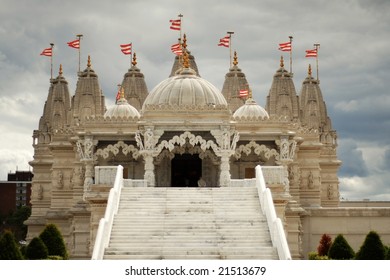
(186,170)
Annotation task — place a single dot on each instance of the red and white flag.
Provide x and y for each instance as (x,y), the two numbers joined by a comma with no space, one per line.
(74,44)
(244,93)
(311,53)
(126,48)
(176,49)
(175,24)
(224,42)
(118,95)
(47,52)
(285,47)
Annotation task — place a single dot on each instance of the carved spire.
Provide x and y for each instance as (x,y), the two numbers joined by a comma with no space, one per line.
(184,41)
(89,62)
(186,63)
(282,99)
(235,59)
(122,95)
(134,62)
(178,63)
(60,71)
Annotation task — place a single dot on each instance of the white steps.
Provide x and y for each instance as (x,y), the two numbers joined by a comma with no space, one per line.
(190,223)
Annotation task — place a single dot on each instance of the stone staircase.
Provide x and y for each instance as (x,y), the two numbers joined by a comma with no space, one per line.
(190,223)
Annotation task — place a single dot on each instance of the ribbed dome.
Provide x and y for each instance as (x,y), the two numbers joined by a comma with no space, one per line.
(122,109)
(250,111)
(185,90)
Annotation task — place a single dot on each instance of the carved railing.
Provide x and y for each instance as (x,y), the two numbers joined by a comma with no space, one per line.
(275,226)
(105,225)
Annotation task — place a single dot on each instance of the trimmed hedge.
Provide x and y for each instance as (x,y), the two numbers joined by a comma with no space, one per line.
(9,249)
(372,248)
(54,242)
(340,249)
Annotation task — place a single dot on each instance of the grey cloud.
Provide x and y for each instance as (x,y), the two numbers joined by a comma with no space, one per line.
(353,162)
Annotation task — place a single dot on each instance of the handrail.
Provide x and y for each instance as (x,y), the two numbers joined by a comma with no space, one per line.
(275,225)
(105,224)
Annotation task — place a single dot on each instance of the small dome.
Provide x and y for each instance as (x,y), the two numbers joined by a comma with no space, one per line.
(250,111)
(122,109)
(185,90)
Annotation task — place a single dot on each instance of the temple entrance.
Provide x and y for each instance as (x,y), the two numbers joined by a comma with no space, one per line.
(186,170)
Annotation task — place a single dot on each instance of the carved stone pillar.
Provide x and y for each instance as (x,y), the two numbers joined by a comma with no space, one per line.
(225,149)
(149,170)
(148,150)
(85,149)
(224,177)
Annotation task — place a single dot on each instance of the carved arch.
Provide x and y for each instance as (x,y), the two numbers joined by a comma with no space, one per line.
(181,140)
(114,149)
(257,149)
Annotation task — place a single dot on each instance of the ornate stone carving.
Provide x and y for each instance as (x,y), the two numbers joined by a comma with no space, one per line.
(60,180)
(114,149)
(257,149)
(287,149)
(85,148)
(40,192)
(310,180)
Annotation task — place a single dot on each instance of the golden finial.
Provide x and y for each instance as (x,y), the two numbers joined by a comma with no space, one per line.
(186,63)
(309,71)
(89,61)
(122,96)
(134,62)
(250,93)
(184,41)
(60,72)
(235,59)
(281,62)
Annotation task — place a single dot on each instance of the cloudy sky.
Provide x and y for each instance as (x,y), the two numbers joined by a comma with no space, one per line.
(354,39)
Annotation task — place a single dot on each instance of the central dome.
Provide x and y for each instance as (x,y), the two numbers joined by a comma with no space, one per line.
(185,90)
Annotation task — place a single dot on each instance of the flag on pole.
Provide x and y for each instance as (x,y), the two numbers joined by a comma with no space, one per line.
(224,42)
(47,52)
(74,44)
(175,24)
(285,47)
(311,53)
(126,48)
(176,49)
(118,95)
(244,93)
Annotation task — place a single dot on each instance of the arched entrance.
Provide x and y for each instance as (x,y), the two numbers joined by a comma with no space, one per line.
(186,169)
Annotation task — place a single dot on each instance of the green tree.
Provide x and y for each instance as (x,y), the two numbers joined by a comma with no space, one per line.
(36,250)
(54,242)
(340,249)
(324,246)
(372,248)
(9,249)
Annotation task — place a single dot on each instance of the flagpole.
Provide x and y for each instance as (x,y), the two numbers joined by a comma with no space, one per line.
(131,56)
(230,46)
(181,23)
(317,46)
(51,61)
(291,37)
(79,36)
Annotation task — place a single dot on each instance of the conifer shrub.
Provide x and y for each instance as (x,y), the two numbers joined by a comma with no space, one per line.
(36,250)
(387,255)
(324,246)
(9,249)
(340,249)
(372,248)
(54,242)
